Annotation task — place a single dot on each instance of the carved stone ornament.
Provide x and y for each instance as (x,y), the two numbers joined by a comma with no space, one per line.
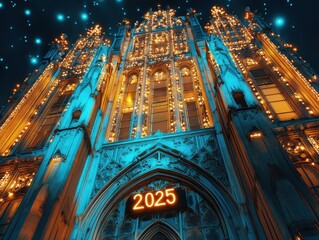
(201,150)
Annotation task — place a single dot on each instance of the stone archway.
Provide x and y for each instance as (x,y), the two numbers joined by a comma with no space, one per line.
(159,231)
(170,167)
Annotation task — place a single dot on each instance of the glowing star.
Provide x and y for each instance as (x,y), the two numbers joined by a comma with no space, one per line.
(33,60)
(27,12)
(1,5)
(119,1)
(60,17)
(38,41)
(279,22)
(84,16)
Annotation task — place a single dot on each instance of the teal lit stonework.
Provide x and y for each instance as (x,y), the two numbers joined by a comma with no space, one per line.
(228,116)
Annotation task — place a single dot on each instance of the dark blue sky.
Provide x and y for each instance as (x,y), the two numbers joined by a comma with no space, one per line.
(28,26)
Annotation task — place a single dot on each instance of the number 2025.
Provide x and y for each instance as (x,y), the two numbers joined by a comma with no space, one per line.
(157,199)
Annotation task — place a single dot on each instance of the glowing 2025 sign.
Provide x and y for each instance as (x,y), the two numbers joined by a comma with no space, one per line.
(158,201)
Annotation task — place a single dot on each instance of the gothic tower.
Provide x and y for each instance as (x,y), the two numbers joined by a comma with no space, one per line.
(168,132)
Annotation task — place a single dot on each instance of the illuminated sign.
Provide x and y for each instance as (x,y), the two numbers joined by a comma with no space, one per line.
(157,201)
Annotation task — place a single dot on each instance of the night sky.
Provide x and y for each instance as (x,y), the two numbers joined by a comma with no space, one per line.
(27,27)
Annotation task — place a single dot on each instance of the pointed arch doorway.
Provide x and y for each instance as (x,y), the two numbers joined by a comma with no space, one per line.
(159,231)
(211,213)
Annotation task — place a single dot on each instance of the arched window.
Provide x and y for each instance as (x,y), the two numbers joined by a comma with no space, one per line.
(127,109)
(76,115)
(130,93)
(159,231)
(63,98)
(53,167)
(53,116)
(240,99)
(191,105)
(159,117)
(160,236)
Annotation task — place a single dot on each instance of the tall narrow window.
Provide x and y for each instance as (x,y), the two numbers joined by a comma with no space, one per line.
(278,102)
(127,109)
(125,125)
(273,95)
(52,118)
(44,132)
(192,111)
(159,118)
(310,174)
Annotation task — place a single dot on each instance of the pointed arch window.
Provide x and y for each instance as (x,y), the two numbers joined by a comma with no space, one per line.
(53,116)
(159,231)
(159,110)
(240,99)
(127,108)
(160,236)
(191,105)
(63,98)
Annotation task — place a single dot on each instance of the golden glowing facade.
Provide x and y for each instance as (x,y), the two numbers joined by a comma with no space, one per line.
(168,132)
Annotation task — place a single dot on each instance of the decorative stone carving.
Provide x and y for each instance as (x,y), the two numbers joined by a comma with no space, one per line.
(16,178)
(22,182)
(314,140)
(295,150)
(164,153)
(127,226)
(194,233)
(192,219)
(109,228)
(212,234)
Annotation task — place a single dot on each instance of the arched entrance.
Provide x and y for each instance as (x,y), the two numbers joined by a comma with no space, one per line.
(159,231)
(196,221)
(211,211)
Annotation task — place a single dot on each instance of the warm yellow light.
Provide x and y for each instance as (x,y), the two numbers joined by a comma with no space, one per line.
(255,135)
(154,200)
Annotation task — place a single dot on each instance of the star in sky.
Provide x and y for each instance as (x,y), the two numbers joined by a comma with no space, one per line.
(279,22)
(27,12)
(38,41)
(84,16)
(29,26)
(60,17)
(34,60)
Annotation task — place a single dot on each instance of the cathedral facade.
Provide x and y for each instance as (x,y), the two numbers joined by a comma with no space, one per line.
(172,131)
